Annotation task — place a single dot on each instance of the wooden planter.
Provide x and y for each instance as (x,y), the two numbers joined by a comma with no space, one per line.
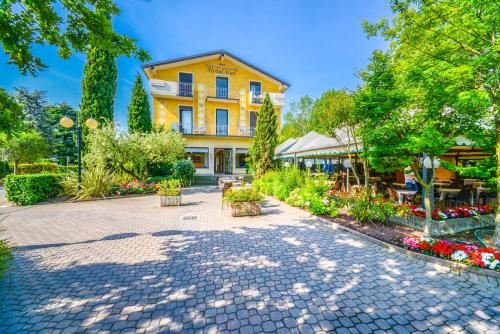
(241,209)
(170,200)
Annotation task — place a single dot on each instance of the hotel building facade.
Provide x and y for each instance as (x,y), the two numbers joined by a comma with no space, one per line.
(213,99)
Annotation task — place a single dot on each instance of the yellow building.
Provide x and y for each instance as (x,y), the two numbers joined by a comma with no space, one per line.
(213,99)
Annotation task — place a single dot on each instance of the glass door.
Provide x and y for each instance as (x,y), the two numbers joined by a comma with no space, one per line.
(222,87)
(186,119)
(185,84)
(221,127)
(256,89)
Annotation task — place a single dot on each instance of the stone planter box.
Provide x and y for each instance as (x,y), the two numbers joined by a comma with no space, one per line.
(170,200)
(241,209)
(447,226)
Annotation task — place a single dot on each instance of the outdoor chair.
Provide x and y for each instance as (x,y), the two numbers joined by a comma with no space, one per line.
(463,197)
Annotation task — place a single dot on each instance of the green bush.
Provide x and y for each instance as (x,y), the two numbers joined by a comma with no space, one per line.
(243,195)
(97,181)
(280,183)
(6,256)
(30,189)
(162,169)
(156,179)
(170,187)
(184,171)
(4,168)
(37,168)
(365,207)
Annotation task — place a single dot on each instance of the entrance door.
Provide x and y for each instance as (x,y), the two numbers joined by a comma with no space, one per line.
(223,160)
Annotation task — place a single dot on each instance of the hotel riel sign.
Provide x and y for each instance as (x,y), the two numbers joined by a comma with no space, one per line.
(220,69)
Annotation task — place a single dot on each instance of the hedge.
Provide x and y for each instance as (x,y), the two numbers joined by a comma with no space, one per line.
(37,168)
(30,189)
(66,169)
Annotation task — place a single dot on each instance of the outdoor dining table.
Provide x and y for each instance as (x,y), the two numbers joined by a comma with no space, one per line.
(446,191)
(402,193)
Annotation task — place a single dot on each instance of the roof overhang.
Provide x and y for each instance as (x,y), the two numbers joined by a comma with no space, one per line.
(151,68)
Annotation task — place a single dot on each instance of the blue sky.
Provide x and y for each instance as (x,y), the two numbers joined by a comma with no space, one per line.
(314,45)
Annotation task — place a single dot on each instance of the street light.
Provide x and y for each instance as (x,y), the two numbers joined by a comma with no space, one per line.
(68,123)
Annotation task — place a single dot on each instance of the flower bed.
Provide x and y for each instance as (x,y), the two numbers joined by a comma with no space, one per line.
(468,254)
(134,187)
(453,213)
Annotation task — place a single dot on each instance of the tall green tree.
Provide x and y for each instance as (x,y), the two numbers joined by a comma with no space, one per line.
(266,139)
(334,115)
(139,114)
(34,104)
(10,114)
(25,24)
(448,53)
(297,121)
(98,86)
(62,141)
(27,147)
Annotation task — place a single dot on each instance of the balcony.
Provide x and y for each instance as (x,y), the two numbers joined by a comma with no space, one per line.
(278,99)
(180,90)
(220,130)
(219,94)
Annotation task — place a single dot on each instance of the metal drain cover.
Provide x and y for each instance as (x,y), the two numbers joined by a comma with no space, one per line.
(190,217)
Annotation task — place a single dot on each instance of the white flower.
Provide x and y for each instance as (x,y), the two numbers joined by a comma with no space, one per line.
(459,255)
(487,258)
(307,203)
(326,201)
(494,264)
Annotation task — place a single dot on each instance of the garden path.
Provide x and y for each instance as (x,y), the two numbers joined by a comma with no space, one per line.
(127,265)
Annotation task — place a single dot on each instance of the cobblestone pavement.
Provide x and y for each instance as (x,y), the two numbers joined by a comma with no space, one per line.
(127,265)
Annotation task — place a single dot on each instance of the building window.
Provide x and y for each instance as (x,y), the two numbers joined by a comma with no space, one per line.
(222,122)
(198,155)
(222,87)
(186,119)
(241,156)
(253,122)
(256,89)
(185,84)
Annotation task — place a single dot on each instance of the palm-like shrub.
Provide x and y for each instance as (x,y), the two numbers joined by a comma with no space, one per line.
(97,181)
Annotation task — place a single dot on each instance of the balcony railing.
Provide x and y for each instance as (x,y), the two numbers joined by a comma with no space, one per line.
(185,89)
(223,93)
(278,99)
(171,88)
(222,130)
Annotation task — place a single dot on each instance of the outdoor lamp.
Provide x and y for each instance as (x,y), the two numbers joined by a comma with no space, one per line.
(66,122)
(286,164)
(309,163)
(428,162)
(347,163)
(91,123)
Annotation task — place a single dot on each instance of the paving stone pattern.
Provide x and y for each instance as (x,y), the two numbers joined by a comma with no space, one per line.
(129,266)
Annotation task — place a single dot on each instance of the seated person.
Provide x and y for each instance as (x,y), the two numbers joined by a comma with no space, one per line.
(410,180)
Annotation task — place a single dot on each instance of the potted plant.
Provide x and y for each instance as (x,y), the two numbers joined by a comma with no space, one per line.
(170,192)
(244,201)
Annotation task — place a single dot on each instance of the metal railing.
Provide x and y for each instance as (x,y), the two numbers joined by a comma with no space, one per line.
(223,93)
(186,128)
(185,89)
(222,130)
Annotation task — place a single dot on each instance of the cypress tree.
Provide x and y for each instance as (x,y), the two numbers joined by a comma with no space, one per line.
(139,114)
(98,86)
(266,138)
